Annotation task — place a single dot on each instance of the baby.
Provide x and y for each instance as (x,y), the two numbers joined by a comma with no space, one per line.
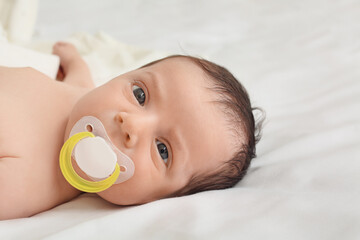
(186,123)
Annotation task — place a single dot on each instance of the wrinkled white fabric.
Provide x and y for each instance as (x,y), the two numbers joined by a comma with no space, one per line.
(300,62)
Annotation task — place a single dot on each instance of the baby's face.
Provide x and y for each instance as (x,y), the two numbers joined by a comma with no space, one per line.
(161,116)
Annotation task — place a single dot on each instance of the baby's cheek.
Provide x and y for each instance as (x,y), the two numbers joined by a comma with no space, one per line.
(111,195)
(130,192)
(140,188)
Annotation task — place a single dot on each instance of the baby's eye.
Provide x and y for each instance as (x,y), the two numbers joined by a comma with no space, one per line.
(163,151)
(139,94)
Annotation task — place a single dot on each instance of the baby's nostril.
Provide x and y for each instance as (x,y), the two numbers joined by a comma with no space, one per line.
(119,118)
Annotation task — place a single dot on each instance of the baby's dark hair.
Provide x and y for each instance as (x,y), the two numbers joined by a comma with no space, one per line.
(236,104)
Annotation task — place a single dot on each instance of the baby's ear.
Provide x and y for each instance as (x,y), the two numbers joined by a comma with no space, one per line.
(259,117)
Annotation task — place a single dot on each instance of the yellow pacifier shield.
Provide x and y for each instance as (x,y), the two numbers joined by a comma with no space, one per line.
(72,177)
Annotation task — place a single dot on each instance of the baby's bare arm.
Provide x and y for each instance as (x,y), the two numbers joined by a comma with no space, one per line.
(73,69)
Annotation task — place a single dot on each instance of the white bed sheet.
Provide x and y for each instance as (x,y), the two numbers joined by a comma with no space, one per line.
(300,62)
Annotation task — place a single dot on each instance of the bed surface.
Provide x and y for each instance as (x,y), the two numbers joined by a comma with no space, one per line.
(299,60)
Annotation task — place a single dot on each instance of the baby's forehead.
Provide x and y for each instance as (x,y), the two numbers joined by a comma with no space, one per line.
(186,62)
(184,66)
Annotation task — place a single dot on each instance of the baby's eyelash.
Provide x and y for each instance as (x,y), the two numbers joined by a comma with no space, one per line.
(163,151)
(140,93)
(170,154)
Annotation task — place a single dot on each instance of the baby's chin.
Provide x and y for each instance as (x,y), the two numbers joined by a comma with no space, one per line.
(124,197)
(118,200)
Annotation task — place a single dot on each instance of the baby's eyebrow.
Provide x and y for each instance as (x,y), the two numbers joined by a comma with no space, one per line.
(177,139)
(177,146)
(155,85)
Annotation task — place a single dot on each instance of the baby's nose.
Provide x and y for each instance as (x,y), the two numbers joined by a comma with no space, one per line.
(130,128)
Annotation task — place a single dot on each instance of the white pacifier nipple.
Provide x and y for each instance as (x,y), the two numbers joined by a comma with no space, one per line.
(95,157)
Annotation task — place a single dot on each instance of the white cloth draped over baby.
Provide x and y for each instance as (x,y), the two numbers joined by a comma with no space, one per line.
(105,56)
(17,19)
(300,62)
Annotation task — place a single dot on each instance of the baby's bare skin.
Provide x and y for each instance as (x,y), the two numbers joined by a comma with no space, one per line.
(162,116)
(34,111)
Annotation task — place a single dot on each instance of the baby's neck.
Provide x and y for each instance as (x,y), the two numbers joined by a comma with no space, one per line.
(73,95)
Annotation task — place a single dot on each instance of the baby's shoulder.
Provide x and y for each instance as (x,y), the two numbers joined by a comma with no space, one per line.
(10,71)
(10,74)
(30,104)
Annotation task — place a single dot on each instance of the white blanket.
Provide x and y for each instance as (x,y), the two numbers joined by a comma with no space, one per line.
(300,62)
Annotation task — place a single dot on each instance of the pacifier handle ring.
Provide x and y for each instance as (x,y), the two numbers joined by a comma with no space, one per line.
(72,177)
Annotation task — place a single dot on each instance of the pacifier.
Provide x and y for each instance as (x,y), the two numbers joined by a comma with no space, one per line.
(95,155)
